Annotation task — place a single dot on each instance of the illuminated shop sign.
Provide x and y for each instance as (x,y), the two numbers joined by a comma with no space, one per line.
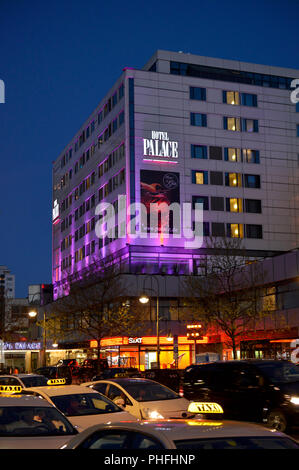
(160,148)
(135,340)
(22,346)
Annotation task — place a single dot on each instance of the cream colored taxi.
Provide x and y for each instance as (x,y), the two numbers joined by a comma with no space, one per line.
(82,406)
(143,398)
(27,422)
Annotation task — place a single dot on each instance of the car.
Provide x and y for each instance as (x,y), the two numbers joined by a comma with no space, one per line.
(170,377)
(184,434)
(71,363)
(24,380)
(27,422)
(117,372)
(143,398)
(81,405)
(56,372)
(265,391)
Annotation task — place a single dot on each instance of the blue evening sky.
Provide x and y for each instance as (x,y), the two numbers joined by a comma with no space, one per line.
(58,58)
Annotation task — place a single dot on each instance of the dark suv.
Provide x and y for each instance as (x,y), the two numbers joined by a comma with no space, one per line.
(251,390)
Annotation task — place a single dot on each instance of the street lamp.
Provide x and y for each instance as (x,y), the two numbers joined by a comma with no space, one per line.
(144,299)
(33,314)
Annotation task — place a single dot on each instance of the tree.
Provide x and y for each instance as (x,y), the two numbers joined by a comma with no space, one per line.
(227,296)
(98,305)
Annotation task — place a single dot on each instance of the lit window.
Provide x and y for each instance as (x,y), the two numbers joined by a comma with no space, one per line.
(199,177)
(232,154)
(231,123)
(231,97)
(234,205)
(235,230)
(233,179)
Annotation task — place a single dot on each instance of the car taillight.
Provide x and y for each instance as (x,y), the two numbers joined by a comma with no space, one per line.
(181,391)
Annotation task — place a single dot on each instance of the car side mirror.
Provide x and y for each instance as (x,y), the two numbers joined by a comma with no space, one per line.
(120,402)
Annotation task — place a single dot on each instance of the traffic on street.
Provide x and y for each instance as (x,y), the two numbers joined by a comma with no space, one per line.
(125,412)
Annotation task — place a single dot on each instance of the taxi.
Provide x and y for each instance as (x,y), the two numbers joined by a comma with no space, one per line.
(143,398)
(83,406)
(27,422)
(24,380)
(193,434)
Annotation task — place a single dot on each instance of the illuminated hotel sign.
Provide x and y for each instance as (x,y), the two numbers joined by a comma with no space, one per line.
(22,346)
(160,149)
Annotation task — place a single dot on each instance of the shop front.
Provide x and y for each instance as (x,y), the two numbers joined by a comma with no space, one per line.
(21,356)
(141,352)
(271,345)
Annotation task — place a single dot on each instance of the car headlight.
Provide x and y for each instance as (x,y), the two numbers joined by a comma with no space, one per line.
(151,414)
(294,400)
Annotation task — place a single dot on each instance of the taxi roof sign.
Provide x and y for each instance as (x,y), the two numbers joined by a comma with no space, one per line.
(205,407)
(56,382)
(10,389)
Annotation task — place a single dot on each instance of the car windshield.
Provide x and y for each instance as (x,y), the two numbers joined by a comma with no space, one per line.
(280,372)
(81,404)
(33,421)
(147,391)
(250,442)
(34,381)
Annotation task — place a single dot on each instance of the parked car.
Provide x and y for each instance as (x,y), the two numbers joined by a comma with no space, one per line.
(143,398)
(56,372)
(71,363)
(251,390)
(24,380)
(172,378)
(83,406)
(179,434)
(26,422)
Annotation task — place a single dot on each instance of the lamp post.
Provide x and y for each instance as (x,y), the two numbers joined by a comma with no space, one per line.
(144,299)
(33,314)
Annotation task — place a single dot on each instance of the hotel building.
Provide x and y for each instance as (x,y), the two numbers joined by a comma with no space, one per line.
(183,129)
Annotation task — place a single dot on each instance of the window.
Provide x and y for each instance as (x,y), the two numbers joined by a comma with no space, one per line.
(121,118)
(252,181)
(297,109)
(233,179)
(199,177)
(216,177)
(197,93)
(121,91)
(114,100)
(253,206)
(197,119)
(217,203)
(251,156)
(250,125)
(235,230)
(232,154)
(201,200)
(234,205)
(254,231)
(229,75)
(248,99)
(199,151)
(215,153)
(218,229)
(231,97)
(297,130)
(231,124)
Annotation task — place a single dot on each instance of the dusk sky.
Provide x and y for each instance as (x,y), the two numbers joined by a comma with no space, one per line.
(59,58)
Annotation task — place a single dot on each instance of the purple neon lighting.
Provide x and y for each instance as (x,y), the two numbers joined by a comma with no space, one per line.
(159,161)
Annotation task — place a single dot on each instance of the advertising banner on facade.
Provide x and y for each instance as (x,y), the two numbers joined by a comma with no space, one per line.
(160,194)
